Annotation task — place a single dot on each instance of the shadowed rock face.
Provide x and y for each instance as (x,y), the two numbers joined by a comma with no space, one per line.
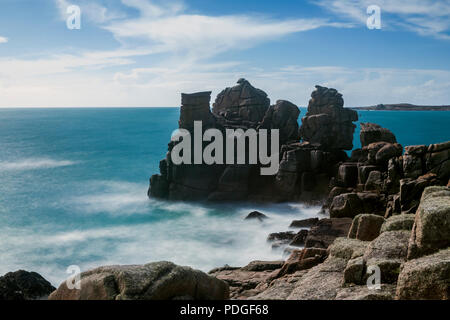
(305,168)
(328,124)
(242,103)
(23,285)
(371,132)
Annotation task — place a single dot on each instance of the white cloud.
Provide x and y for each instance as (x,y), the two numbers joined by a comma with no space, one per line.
(91,10)
(168,28)
(3,40)
(425,17)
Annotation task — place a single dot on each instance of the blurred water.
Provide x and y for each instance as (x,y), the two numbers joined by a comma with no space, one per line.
(73,186)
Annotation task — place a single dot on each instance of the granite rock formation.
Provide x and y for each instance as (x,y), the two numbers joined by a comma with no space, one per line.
(343,269)
(309,156)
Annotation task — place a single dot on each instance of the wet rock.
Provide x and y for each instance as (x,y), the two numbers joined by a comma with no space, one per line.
(371,133)
(326,231)
(281,236)
(299,239)
(263,265)
(431,228)
(154,281)
(256,215)
(23,285)
(425,278)
(305,223)
(366,227)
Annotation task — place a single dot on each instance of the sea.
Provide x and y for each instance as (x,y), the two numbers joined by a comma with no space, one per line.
(73,192)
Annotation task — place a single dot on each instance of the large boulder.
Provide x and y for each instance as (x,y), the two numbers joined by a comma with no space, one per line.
(366,227)
(23,285)
(154,281)
(431,230)
(371,132)
(328,124)
(425,278)
(242,102)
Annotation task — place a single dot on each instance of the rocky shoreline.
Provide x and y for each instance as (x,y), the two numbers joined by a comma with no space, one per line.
(388,209)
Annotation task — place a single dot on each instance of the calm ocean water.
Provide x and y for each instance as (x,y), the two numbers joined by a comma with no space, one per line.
(73,186)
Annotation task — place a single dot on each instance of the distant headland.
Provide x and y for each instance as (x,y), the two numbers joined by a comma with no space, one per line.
(404,107)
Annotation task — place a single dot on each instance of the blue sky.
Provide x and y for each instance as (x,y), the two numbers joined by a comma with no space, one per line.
(146,52)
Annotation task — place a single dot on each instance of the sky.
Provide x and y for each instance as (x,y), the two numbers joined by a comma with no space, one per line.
(144,53)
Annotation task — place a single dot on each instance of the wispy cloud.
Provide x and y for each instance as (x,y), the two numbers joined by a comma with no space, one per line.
(168,28)
(424,17)
(93,11)
(3,40)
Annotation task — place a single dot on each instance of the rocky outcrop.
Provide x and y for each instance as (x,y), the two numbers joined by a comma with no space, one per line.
(327,124)
(242,103)
(154,281)
(309,156)
(371,132)
(431,230)
(23,285)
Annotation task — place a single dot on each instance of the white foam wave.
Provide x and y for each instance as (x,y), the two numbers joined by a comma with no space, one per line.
(202,241)
(113,197)
(33,164)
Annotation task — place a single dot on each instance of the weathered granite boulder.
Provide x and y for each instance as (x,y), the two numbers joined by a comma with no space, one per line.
(326,231)
(388,252)
(371,132)
(366,227)
(154,281)
(431,230)
(23,285)
(328,124)
(242,102)
(426,278)
(398,222)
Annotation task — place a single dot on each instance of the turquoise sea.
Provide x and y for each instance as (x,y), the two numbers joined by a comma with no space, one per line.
(73,186)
